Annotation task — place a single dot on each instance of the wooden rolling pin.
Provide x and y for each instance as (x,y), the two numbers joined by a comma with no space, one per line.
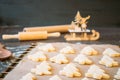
(57,28)
(31,35)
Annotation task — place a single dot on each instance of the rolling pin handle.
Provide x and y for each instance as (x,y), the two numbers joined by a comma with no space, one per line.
(4,37)
(55,34)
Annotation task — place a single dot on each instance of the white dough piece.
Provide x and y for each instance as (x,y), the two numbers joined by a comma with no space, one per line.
(60,58)
(38,56)
(55,77)
(82,59)
(117,76)
(29,76)
(67,50)
(110,52)
(108,61)
(88,50)
(96,72)
(42,69)
(85,78)
(48,47)
(70,70)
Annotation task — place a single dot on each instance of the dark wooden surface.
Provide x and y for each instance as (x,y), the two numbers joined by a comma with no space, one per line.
(108,35)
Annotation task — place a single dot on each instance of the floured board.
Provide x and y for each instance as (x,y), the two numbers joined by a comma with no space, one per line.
(26,65)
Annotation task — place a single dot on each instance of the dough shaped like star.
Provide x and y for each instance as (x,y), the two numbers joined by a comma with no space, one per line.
(88,50)
(67,50)
(29,76)
(48,48)
(97,73)
(108,61)
(82,59)
(110,52)
(55,77)
(42,69)
(60,58)
(70,70)
(38,56)
(117,76)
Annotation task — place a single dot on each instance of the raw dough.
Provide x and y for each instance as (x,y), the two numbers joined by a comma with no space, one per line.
(96,72)
(110,52)
(85,78)
(38,56)
(42,69)
(70,70)
(48,48)
(108,61)
(67,50)
(88,50)
(60,58)
(117,76)
(29,76)
(82,59)
(56,77)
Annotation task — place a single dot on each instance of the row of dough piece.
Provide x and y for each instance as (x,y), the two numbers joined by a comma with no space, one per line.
(70,70)
(81,59)
(88,50)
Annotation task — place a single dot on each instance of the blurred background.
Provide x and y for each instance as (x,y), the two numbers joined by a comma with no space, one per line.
(26,13)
